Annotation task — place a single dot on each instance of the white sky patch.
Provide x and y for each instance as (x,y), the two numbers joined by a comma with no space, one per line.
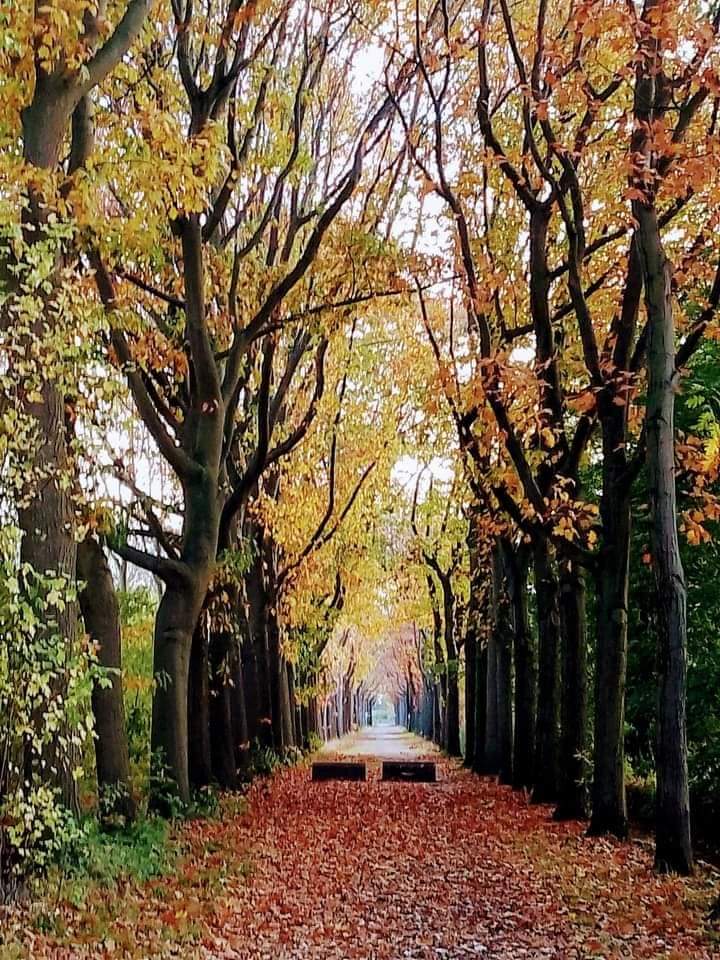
(407,469)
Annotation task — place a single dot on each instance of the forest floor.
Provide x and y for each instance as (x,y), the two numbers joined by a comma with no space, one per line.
(461,868)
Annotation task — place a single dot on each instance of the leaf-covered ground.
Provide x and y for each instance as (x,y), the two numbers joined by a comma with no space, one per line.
(462,868)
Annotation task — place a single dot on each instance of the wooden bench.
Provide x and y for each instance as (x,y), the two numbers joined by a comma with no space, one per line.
(338,770)
(411,771)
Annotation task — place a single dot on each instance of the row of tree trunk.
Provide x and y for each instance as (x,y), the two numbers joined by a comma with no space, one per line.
(242,693)
(526,694)
(525,699)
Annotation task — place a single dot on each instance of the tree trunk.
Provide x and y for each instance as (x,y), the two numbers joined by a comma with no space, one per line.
(440,665)
(48,521)
(437,713)
(223,736)
(255,659)
(287,708)
(239,711)
(347,704)
(548,710)
(452,704)
(101,614)
(470,697)
(251,685)
(295,713)
(472,638)
(572,795)
(174,627)
(452,712)
(198,707)
(480,764)
(429,709)
(275,663)
(525,671)
(492,744)
(673,848)
(503,655)
(48,545)
(609,808)
(304,725)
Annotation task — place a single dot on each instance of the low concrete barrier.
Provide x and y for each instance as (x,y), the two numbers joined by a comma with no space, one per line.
(338,770)
(412,771)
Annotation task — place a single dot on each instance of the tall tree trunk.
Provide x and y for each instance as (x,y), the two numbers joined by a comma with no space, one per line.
(470,649)
(295,716)
(440,665)
(673,848)
(492,744)
(251,685)
(286,705)
(437,713)
(174,628)
(452,713)
(548,710)
(239,711)
(347,703)
(256,661)
(187,585)
(47,520)
(198,707)
(525,671)
(471,644)
(503,653)
(48,546)
(480,764)
(175,625)
(609,807)
(304,725)
(275,663)
(429,709)
(572,795)
(101,614)
(223,687)
(452,704)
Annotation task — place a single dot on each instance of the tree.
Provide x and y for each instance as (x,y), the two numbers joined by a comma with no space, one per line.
(58,62)
(213,221)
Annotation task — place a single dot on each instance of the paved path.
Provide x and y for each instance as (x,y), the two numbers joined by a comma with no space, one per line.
(381,743)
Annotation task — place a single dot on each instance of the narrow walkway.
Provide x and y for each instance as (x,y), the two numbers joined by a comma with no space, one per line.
(388,871)
(381,743)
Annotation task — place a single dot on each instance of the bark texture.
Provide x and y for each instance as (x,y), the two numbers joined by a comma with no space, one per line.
(673,847)
(101,615)
(572,794)
(545,786)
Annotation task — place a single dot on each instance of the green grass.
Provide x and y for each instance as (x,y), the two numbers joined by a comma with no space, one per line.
(137,853)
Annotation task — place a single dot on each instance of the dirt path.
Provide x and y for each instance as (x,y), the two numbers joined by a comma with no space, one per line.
(384,871)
